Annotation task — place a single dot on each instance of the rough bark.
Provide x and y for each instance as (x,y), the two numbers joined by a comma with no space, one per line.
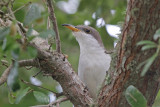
(56,65)
(141,22)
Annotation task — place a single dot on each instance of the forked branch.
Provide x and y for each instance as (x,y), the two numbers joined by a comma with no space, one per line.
(54,23)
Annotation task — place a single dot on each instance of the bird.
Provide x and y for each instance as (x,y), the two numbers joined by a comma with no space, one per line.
(94,62)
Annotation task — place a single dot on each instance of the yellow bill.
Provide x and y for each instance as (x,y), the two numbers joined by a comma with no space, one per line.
(71,27)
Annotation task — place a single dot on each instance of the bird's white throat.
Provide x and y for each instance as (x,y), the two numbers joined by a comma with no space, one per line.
(88,44)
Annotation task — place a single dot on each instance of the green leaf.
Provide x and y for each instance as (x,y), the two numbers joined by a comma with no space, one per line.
(157,34)
(15,53)
(30,35)
(146,42)
(12,79)
(29,32)
(145,47)
(134,97)
(41,97)
(4,44)
(141,64)
(21,94)
(148,64)
(11,98)
(47,33)
(32,51)
(33,13)
(158,41)
(157,100)
(18,36)
(3,32)
(31,38)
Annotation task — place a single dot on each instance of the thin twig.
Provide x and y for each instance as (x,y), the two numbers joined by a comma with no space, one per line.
(11,17)
(20,28)
(12,2)
(22,7)
(4,3)
(48,23)
(50,46)
(28,68)
(58,101)
(47,74)
(38,86)
(28,62)
(5,63)
(109,52)
(57,105)
(54,23)
(5,74)
(59,94)
(37,73)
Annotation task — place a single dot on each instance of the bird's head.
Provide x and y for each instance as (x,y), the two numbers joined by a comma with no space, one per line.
(85,34)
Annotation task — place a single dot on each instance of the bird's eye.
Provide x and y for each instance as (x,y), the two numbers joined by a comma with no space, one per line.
(87,31)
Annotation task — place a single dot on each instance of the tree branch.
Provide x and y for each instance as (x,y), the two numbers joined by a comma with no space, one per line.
(28,62)
(5,74)
(56,94)
(22,63)
(54,23)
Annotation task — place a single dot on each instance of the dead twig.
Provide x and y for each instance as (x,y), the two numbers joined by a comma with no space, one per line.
(4,3)
(54,23)
(28,68)
(21,30)
(22,7)
(50,46)
(40,87)
(37,73)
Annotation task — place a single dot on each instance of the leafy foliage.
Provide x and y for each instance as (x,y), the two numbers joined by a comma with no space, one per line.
(3,32)
(33,13)
(134,97)
(147,63)
(11,98)
(146,42)
(47,33)
(12,79)
(21,94)
(41,97)
(157,34)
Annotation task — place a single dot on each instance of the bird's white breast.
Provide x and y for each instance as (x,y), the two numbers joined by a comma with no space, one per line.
(93,63)
(92,70)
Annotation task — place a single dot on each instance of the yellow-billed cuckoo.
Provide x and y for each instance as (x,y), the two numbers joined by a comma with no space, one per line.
(93,61)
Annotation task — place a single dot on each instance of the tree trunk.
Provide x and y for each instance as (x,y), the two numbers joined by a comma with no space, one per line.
(141,22)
